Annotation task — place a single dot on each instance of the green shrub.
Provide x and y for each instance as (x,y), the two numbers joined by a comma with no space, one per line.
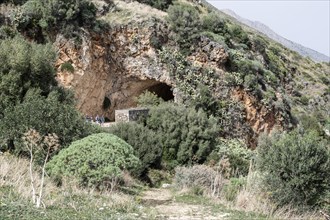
(186,135)
(296,167)
(236,151)
(259,44)
(157,177)
(15,2)
(67,66)
(47,115)
(148,99)
(206,102)
(184,23)
(24,65)
(304,100)
(38,17)
(96,161)
(214,23)
(145,144)
(239,35)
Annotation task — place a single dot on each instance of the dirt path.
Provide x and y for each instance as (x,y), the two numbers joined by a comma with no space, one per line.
(162,202)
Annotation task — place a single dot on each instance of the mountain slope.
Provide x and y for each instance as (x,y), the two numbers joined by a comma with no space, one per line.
(302,50)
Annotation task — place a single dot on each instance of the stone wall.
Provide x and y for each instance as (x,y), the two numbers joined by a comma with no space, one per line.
(127,115)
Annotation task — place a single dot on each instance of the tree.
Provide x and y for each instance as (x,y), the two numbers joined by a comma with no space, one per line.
(296,167)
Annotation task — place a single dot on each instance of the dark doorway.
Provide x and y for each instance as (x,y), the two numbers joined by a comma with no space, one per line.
(163,91)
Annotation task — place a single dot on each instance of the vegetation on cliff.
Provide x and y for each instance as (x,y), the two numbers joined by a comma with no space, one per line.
(231,85)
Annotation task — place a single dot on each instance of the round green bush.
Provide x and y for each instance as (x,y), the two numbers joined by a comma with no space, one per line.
(96,161)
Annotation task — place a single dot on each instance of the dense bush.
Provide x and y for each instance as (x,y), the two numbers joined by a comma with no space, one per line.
(145,144)
(189,79)
(54,114)
(24,65)
(184,23)
(214,23)
(15,2)
(239,35)
(148,99)
(187,136)
(96,161)
(296,167)
(206,102)
(38,17)
(237,153)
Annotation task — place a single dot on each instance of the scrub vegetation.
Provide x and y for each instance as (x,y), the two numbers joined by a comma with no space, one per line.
(194,145)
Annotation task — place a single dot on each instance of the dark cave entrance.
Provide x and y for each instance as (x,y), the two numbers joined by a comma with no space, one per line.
(163,91)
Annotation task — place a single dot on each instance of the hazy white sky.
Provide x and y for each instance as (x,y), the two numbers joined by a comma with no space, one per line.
(305,22)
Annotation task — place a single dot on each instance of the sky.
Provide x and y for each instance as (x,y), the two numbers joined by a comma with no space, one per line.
(306,22)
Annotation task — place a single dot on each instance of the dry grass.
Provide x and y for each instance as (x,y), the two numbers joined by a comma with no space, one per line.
(14,172)
(250,198)
(132,11)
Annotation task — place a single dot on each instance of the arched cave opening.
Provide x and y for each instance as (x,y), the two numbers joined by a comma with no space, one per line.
(106,103)
(163,91)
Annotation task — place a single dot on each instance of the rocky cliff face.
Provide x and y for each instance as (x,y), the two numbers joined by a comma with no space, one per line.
(112,68)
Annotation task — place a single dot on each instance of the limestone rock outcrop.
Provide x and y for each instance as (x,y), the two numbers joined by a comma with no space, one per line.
(112,67)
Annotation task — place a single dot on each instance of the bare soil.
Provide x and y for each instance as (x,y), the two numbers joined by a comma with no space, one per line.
(162,202)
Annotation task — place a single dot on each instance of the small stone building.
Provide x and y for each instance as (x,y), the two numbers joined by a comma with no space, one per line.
(132,114)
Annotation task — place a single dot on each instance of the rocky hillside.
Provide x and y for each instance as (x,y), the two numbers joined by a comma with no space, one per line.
(137,52)
(303,51)
(134,47)
(215,90)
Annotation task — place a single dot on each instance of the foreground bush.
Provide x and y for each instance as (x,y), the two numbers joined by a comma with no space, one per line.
(296,167)
(186,136)
(52,114)
(96,161)
(145,144)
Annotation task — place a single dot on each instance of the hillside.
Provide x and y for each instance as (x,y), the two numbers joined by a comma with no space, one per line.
(235,121)
(303,51)
(277,85)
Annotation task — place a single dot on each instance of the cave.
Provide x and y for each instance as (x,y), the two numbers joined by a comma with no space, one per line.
(163,91)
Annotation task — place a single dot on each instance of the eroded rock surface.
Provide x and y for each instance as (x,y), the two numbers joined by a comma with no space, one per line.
(117,64)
